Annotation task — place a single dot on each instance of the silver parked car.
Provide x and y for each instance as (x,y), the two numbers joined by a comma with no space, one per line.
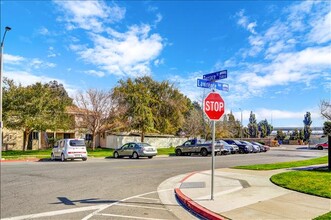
(135,150)
(69,149)
(232,147)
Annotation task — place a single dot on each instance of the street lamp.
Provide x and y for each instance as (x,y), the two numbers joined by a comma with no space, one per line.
(1,68)
(241,123)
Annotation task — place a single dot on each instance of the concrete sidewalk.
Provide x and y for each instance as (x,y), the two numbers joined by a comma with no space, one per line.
(246,194)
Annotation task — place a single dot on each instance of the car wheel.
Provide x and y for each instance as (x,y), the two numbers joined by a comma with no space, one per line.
(116,155)
(178,152)
(84,159)
(63,158)
(320,147)
(150,157)
(52,156)
(204,152)
(135,155)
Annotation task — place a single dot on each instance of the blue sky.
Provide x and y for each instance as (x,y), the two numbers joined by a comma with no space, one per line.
(277,53)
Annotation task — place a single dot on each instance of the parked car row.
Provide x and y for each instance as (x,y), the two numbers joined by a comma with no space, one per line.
(65,149)
(248,147)
(222,147)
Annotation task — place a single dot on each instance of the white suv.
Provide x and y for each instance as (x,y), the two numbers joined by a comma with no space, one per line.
(69,149)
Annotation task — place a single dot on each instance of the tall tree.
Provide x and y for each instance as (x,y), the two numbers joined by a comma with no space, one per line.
(265,128)
(252,126)
(295,135)
(151,106)
(193,125)
(307,122)
(35,107)
(96,107)
(280,135)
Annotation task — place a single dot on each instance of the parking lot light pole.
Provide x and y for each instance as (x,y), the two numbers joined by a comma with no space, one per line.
(1,69)
(241,123)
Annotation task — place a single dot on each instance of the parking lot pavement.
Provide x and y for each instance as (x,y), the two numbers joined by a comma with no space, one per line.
(144,206)
(246,194)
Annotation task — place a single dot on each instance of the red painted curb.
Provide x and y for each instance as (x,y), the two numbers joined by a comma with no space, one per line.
(188,176)
(195,207)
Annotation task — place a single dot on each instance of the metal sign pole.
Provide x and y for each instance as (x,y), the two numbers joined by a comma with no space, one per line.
(212,162)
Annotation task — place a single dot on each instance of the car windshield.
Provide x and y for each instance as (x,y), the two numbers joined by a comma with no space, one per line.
(237,142)
(144,145)
(80,143)
(223,142)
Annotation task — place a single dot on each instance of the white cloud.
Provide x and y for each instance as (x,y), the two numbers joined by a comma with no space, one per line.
(321,31)
(26,78)
(38,64)
(26,64)
(95,73)
(89,15)
(127,53)
(43,31)
(279,117)
(245,23)
(287,56)
(12,59)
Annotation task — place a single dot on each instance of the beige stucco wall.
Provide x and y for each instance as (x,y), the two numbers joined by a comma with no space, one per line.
(113,141)
(12,139)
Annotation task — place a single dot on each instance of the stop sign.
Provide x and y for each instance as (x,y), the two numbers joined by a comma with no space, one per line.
(213,106)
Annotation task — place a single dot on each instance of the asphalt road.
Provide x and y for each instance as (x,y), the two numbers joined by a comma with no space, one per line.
(122,188)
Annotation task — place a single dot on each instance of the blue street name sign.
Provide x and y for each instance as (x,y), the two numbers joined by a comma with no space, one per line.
(207,84)
(222,86)
(204,83)
(216,75)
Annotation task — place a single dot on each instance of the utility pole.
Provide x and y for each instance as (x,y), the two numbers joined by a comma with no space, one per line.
(1,73)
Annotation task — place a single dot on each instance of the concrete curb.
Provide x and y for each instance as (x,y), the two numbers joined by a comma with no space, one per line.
(193,206)
(22,160)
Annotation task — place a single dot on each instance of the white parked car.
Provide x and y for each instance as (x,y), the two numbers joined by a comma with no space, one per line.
(69,149)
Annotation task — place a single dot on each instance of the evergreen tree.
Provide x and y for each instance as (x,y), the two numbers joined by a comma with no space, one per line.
(280,135)
(307,122)
(252,126)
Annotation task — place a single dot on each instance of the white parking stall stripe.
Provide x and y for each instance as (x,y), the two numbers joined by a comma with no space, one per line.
(54,213)
(148,198)
(139,206)
(132,217)
(116,203)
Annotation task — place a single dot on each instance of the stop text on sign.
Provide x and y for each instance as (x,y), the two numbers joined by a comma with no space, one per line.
(214,106)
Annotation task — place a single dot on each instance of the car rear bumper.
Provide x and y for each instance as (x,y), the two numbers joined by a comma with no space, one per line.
(147,154)
(76,156)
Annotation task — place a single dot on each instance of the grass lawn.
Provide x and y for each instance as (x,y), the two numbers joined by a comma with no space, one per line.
(100,152)
(45,154)
(18,154)
(326,216)
(274,166)
(166,151)
(310,182)
(313,182)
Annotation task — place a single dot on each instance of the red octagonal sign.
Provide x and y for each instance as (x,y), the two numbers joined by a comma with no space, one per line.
(213,106)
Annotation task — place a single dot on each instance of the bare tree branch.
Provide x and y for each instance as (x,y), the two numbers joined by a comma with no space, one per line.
(326,109)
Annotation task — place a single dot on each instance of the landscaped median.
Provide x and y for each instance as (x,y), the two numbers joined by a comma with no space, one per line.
(313,181)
